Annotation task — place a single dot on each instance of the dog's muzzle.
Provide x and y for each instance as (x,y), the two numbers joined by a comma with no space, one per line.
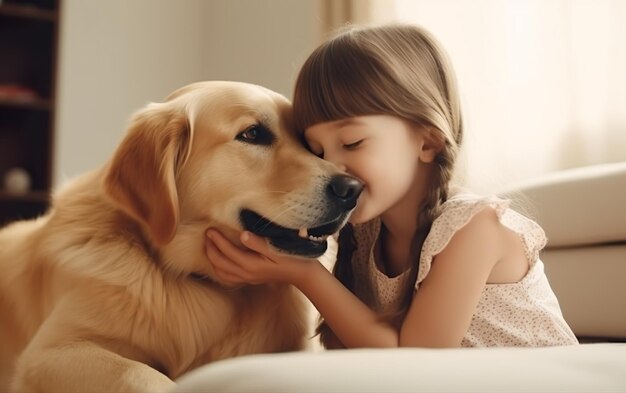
(342,193)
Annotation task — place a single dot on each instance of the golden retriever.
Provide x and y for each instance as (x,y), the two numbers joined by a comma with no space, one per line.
(111,289)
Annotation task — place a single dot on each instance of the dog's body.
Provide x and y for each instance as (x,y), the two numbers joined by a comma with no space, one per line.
(111,290)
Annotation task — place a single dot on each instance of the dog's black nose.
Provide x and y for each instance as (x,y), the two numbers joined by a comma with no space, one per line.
(346,189)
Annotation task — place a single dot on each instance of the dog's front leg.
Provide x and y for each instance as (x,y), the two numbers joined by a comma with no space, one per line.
(84,367)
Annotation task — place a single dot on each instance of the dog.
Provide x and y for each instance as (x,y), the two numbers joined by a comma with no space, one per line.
(111,289)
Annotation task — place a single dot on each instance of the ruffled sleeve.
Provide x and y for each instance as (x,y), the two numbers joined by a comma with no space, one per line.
(459,210)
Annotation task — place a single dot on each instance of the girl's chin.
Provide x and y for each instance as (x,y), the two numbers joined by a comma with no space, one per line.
(358,217)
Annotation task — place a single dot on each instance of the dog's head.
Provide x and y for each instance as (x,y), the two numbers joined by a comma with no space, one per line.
(224,155)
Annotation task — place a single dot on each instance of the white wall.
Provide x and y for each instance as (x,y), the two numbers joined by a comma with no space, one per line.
(258,41)
(118,55)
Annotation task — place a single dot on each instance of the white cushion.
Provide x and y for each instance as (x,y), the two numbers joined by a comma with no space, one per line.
(579,368)
(578,206)
(589,283)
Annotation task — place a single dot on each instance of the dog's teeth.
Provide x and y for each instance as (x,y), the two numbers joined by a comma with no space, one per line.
(304,234)
(318,239)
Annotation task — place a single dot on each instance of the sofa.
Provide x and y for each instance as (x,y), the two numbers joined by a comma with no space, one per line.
(583,214)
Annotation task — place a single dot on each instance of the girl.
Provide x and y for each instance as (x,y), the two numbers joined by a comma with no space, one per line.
(418,265)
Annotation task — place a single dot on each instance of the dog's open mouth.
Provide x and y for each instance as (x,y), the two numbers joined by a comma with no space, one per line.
(304,242)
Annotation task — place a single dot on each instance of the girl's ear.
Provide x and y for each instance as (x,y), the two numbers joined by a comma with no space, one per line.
(430,144)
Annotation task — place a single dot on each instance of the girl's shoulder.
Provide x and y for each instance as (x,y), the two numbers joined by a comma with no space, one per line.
(460,209)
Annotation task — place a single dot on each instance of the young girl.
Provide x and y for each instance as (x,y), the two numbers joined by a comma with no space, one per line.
(418,265)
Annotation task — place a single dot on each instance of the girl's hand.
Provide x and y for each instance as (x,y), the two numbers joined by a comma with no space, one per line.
(255,265)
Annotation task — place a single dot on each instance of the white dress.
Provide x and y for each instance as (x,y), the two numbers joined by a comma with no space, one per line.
(525,313)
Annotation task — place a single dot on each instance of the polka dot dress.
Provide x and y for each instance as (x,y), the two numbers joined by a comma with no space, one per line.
(525,313)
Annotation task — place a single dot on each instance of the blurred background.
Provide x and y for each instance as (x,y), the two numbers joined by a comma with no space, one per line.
(542,82)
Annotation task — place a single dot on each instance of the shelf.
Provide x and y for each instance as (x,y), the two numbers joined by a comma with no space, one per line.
(31,196)
(28,70)
(39,103)
(28,12)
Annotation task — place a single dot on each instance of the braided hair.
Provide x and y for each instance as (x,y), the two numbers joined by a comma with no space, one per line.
(393,69)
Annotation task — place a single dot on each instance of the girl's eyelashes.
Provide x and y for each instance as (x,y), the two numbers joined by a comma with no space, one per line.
(353,145)
(318,151)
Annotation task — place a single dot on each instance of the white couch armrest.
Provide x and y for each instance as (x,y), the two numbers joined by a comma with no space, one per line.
(581,206)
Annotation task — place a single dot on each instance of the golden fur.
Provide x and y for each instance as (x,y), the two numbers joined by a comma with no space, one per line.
(111,289)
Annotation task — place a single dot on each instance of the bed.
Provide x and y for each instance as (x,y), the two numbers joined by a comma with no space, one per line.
(584,215)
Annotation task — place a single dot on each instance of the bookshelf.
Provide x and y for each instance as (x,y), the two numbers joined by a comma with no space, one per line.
(28,59)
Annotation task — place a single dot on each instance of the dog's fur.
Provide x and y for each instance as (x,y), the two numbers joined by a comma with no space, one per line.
(111,290)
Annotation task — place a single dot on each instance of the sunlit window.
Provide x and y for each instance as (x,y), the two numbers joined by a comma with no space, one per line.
(542,82)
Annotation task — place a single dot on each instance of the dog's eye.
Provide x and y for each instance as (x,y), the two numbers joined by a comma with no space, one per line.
(256,135)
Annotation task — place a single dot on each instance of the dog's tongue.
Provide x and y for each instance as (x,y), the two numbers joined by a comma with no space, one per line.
(303,233)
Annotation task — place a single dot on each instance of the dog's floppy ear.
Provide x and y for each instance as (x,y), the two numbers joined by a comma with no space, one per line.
(141,177)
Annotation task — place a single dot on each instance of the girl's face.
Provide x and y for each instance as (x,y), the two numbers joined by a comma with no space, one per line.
(382,151)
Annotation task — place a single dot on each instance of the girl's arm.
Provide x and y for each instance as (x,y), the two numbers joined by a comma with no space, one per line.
(351,320)
(439,315)
(442,309)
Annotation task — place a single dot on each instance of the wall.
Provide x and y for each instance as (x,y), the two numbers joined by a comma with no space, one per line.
(116,56)
(258,41)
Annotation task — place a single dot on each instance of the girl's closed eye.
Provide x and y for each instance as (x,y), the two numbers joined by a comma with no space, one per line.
(353,145)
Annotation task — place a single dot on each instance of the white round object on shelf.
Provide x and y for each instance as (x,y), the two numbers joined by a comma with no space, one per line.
(17,181)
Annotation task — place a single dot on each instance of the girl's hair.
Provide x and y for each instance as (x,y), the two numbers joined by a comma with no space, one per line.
(393,69)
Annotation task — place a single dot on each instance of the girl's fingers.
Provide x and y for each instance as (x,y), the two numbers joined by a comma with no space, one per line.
(230,251)
(228,278)
(222,266)
(255,243)
(250,265)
